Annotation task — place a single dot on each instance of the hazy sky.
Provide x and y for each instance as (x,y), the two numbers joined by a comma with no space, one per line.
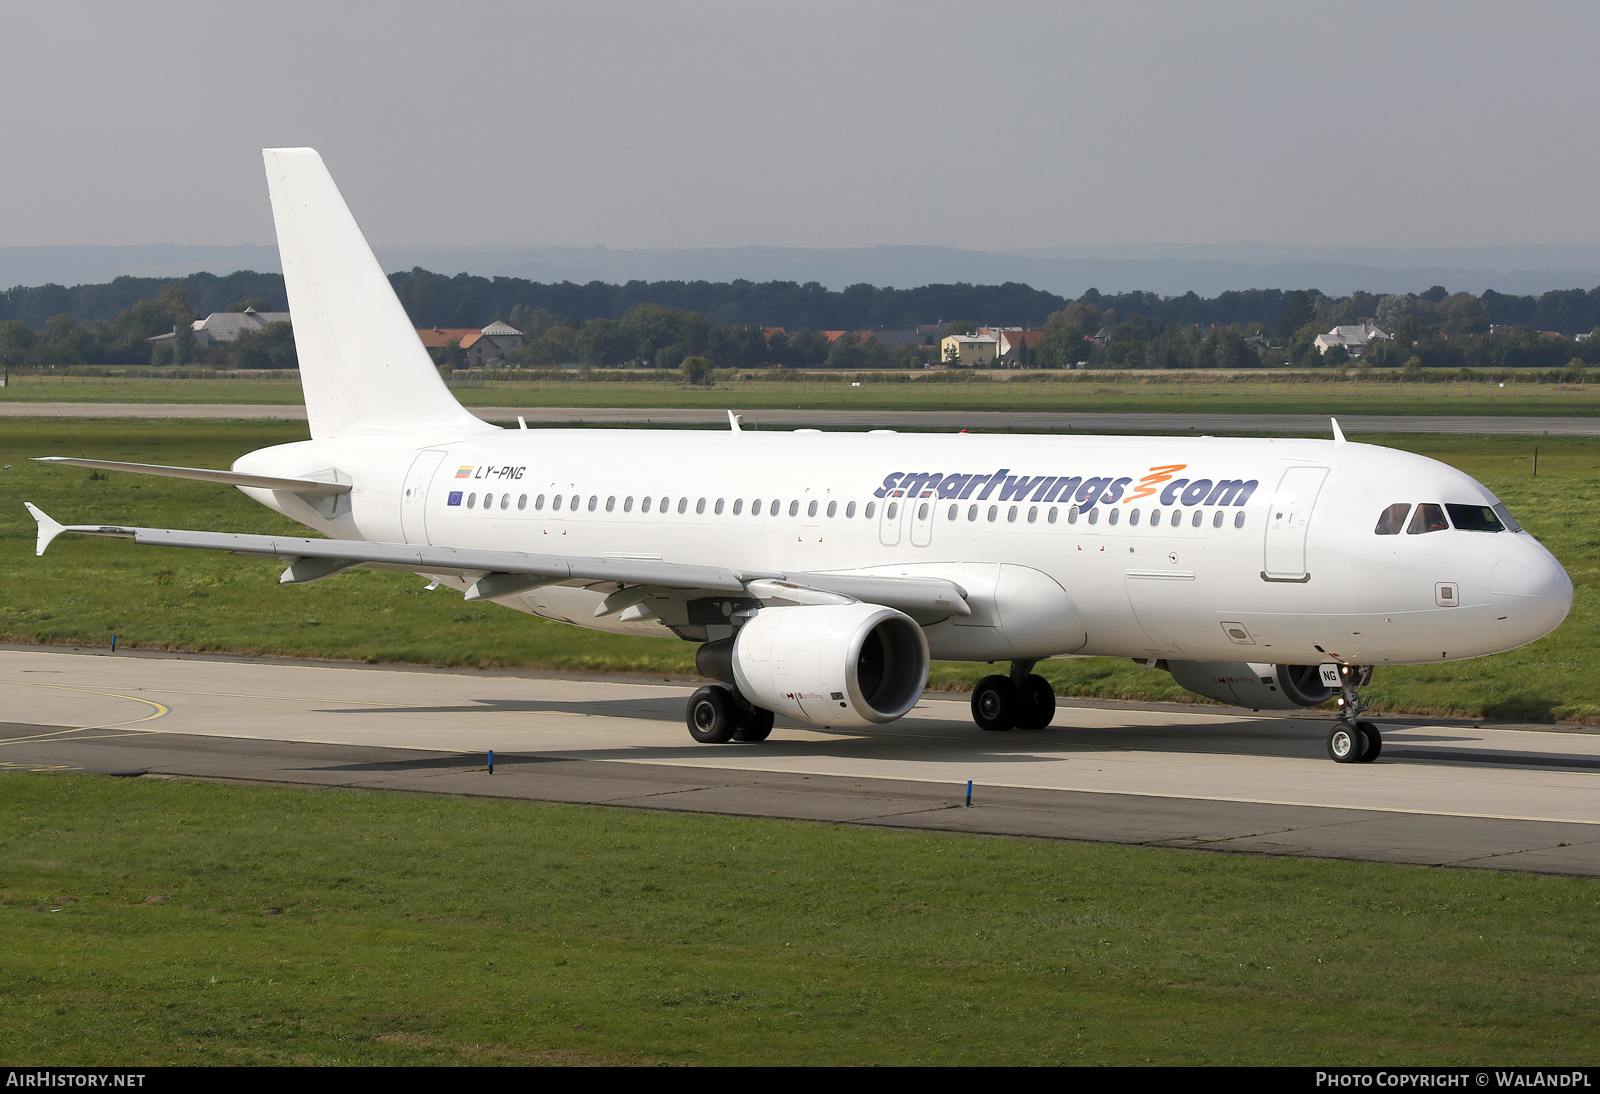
(655,125)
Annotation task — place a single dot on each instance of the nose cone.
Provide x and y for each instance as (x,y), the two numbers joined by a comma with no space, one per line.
(1531,594)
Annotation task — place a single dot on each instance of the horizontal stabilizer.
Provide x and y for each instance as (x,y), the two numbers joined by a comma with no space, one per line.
(306,487)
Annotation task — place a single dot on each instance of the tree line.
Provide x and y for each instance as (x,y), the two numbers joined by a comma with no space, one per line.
(63,339)
(589,325)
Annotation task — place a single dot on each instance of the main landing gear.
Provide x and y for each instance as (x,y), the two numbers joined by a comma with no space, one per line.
(717,714)
(1019,701)
(1353,740)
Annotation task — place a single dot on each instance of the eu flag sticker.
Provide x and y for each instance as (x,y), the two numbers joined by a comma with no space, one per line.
(455,498)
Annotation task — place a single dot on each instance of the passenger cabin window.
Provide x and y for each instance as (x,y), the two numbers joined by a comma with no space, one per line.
(1428,518)
(719,507)
(627,504)
(1474,518)
(1393,519)
(738,506)
(1216,521)
(683,505)
(811,510)
(794,508)
(954,509)
(538,502)
(850,510)
(833,508)
(611,504)
(871,505)
(472,499)
(772,510)
(700,506)
(522,502)
(1238,520)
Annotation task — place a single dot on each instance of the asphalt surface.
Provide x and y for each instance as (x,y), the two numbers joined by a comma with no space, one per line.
(1443,794)
(1018,421)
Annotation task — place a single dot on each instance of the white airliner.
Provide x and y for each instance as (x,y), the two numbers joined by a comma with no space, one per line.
(820,571)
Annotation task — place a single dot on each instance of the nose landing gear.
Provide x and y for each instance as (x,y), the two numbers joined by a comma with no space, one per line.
(1353,740)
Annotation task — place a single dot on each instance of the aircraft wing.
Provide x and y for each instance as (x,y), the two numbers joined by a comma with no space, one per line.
(505,573)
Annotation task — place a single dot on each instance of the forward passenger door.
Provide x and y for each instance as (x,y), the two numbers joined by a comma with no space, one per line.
(1288,521)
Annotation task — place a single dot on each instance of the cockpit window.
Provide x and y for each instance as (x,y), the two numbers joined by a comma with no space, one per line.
(1428,518)
(1393,519)
(1474,518)
(1506,518)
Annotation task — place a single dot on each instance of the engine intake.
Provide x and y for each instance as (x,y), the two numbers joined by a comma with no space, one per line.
(1259,687)
(830,665)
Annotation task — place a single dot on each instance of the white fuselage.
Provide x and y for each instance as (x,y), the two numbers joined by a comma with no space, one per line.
(1202,549)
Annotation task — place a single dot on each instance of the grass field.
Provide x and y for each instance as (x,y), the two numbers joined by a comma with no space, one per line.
(86,590)
(154,922)
(1118,393)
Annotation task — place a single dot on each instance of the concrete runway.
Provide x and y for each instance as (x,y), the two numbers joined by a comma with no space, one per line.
(1524,798)
(1020,421)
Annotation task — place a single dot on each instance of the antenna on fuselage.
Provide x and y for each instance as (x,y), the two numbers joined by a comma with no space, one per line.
(1338,434)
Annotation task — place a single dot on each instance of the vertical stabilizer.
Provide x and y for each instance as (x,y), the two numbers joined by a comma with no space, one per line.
(362,366)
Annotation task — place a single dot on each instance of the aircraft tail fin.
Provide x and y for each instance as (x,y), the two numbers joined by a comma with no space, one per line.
(362,367)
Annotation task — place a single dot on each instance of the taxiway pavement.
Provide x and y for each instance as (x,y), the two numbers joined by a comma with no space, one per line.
(1525,798)
(1014,421)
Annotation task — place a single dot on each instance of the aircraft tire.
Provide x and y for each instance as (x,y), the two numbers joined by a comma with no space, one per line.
(1346,743)
(996,702)
(1374,741)
(1038,701)
(757,726)
(713,715)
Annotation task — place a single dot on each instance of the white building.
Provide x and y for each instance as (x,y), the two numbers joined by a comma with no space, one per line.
(973,350)
(226,326)
(1354,339)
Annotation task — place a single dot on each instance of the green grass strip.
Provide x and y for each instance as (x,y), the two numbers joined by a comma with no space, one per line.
(154,922)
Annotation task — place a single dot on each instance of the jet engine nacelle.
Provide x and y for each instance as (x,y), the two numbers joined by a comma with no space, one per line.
(830,665)
(1259,687)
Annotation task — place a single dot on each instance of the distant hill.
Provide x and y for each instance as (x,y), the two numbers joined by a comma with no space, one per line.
(1207,270)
